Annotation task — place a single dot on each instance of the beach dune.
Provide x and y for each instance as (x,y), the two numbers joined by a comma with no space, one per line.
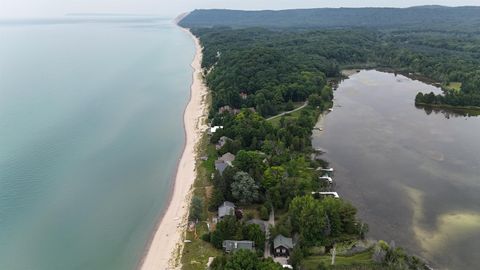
(167,239)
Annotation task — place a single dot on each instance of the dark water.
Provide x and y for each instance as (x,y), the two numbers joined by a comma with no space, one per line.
(414,175)
(91,128)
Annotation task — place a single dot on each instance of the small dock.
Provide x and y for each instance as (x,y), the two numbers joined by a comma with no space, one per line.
(326,178)
(326,194)
(328,170)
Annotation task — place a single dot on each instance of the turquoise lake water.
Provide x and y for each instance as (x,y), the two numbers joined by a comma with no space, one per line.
(91,129)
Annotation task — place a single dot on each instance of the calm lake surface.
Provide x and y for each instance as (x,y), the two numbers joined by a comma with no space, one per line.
(414,176)
(91,129)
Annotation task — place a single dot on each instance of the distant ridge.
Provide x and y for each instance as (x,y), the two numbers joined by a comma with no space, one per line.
(438,17)
(113,14)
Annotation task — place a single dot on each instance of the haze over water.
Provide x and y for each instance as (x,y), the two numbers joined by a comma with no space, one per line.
(91,129)
(415,177)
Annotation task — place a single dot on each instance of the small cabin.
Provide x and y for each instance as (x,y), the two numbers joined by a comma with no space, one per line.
(227,158)
(230,246)
(226,209)
(260,223)
(220,166)
(223,162)
(282,246)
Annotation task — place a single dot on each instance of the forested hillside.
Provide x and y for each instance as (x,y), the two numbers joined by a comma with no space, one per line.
(424,41)
(270,68)
(423,17)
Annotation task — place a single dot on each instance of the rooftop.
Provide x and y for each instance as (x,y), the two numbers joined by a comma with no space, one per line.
(232,245)
(215,128)
(228,158)
(258,222)
(281,240)
(220,166)
(226,209)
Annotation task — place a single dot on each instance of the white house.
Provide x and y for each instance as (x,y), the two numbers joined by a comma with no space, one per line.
(215,128)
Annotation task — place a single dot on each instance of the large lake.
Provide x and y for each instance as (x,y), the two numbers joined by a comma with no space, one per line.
(91,129)
(414,175)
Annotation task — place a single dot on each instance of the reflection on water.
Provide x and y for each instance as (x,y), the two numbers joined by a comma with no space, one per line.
(413,173)
(449,112)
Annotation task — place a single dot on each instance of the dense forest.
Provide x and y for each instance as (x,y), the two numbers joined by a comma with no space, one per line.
(396,39)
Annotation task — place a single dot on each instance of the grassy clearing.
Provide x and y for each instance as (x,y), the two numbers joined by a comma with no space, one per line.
(296,114)
(195,254)
(454,86)
(289,116)
(363,260)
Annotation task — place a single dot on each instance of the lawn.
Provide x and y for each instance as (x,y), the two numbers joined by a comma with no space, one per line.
(195,254)
(360,259)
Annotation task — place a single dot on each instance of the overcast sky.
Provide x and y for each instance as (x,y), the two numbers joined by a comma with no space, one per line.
(49,8)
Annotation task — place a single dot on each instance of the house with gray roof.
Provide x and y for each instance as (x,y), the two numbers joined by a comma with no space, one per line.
(223,162)
(258,222)
(226,209)
(282,246)
(232,245)
(220,166)
(228,158)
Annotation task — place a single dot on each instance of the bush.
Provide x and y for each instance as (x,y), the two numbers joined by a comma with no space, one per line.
(322,266)
(264,213)
(206,237)
(289,106)
(196,209)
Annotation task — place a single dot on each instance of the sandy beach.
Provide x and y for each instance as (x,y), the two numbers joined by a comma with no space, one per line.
(168,237)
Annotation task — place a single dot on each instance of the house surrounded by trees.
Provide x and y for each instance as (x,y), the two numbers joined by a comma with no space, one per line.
(282,246)
(233,246)
(226,209)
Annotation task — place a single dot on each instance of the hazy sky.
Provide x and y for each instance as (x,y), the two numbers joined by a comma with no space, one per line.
(48,8)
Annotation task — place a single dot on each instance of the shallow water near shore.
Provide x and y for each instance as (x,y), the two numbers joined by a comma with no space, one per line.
(91,129)
(413,174)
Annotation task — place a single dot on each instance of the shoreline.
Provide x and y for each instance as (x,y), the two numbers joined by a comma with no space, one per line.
(167,237)
(460,110)
(412,250)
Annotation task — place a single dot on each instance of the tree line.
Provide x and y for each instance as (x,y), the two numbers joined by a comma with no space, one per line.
(264,69)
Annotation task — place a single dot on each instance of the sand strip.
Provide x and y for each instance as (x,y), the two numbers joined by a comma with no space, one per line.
(168,238)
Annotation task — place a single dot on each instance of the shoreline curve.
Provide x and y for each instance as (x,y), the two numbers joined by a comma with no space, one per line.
(166,240)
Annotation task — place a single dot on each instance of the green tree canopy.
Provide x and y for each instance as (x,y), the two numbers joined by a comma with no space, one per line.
(244,188)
